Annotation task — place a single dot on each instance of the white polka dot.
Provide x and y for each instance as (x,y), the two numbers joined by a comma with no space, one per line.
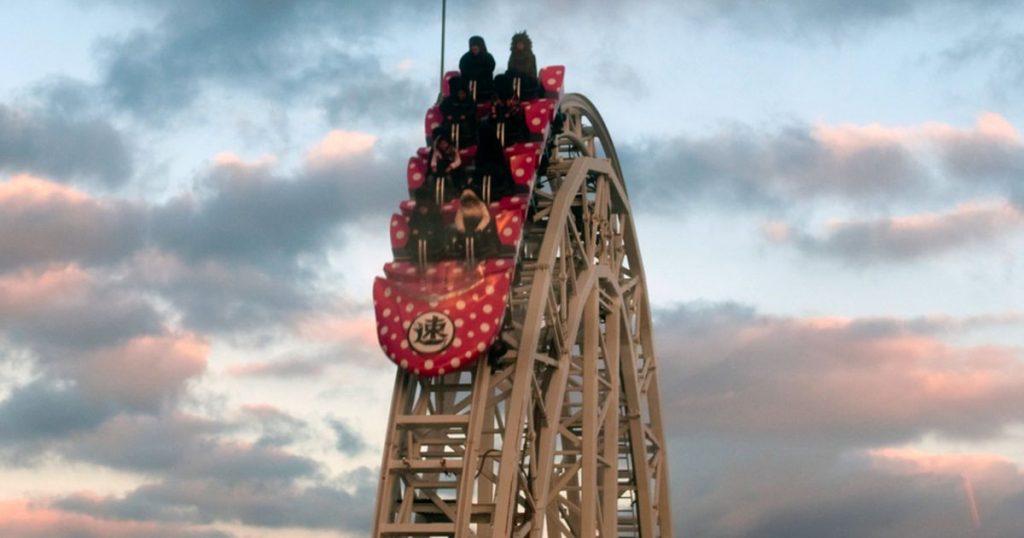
(489,290)
(412,166)
(461,305)
(552,81)
(481,347)
(406,325)
(404,364)
(429,364)
(398,299)
(409,307)
(558,72)
(536,121)
(459,323)
(520,172)
(417,176)
(396,319)
(411,271)
(432,270)
(500,263)
(386,312)
(394,222)
(528,145)
(476,296)
(485,327)
(383,329)
(404,344)
(447,312)
(441,371)
(514,219)
(433,303)
(468,354)
(434,125)
(507,232)
(400,234)
(472,315)
(488,309)
(387,292)
(394,336)
(456,363)
(471,334)
(457,342)
(497,321)
(416,371)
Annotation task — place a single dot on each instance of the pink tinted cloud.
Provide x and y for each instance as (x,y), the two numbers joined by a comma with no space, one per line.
(24,519)
(834,379)
(905,237)
(146,369)
(31,290)
(992,148)
(847,139)
(339,145)
(988,480)
(25,189)
(340,328)
(45,222)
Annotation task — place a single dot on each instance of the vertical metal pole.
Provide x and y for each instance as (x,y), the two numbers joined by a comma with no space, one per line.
(444,17)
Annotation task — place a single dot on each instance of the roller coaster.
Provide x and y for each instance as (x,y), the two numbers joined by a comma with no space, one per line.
(526,399)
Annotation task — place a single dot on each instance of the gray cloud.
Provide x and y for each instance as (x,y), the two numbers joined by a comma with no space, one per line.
(83,318)
(802,19)
(866,241)
(349,441)
(277,428)
(248,214)
(244,46)
(378,97)
(33,520)
(245,247)
(44,411)
(723,488)
(285,368)
(775,424)
(743,167)
(44,225)
(265,505)
(732,371)
(996,48)
(63,147)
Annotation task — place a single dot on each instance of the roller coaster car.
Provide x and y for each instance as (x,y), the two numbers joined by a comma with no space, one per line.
(445,316)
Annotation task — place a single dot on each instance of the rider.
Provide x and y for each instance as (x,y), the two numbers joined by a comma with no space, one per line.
(476,228)
(477,68)
(459,112)
(446,173)
(522,65)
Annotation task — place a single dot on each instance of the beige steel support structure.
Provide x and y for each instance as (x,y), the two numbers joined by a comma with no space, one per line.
(563,437)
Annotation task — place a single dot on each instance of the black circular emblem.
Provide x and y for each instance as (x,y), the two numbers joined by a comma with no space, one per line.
(431,332)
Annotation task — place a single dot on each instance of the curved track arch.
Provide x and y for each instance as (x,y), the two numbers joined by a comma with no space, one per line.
(562,436)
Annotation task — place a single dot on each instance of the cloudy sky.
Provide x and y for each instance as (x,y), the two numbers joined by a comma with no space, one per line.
(194,199)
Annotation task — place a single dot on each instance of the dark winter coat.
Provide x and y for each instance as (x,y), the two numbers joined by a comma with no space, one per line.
(454,109)
(459,111)
(478,67)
